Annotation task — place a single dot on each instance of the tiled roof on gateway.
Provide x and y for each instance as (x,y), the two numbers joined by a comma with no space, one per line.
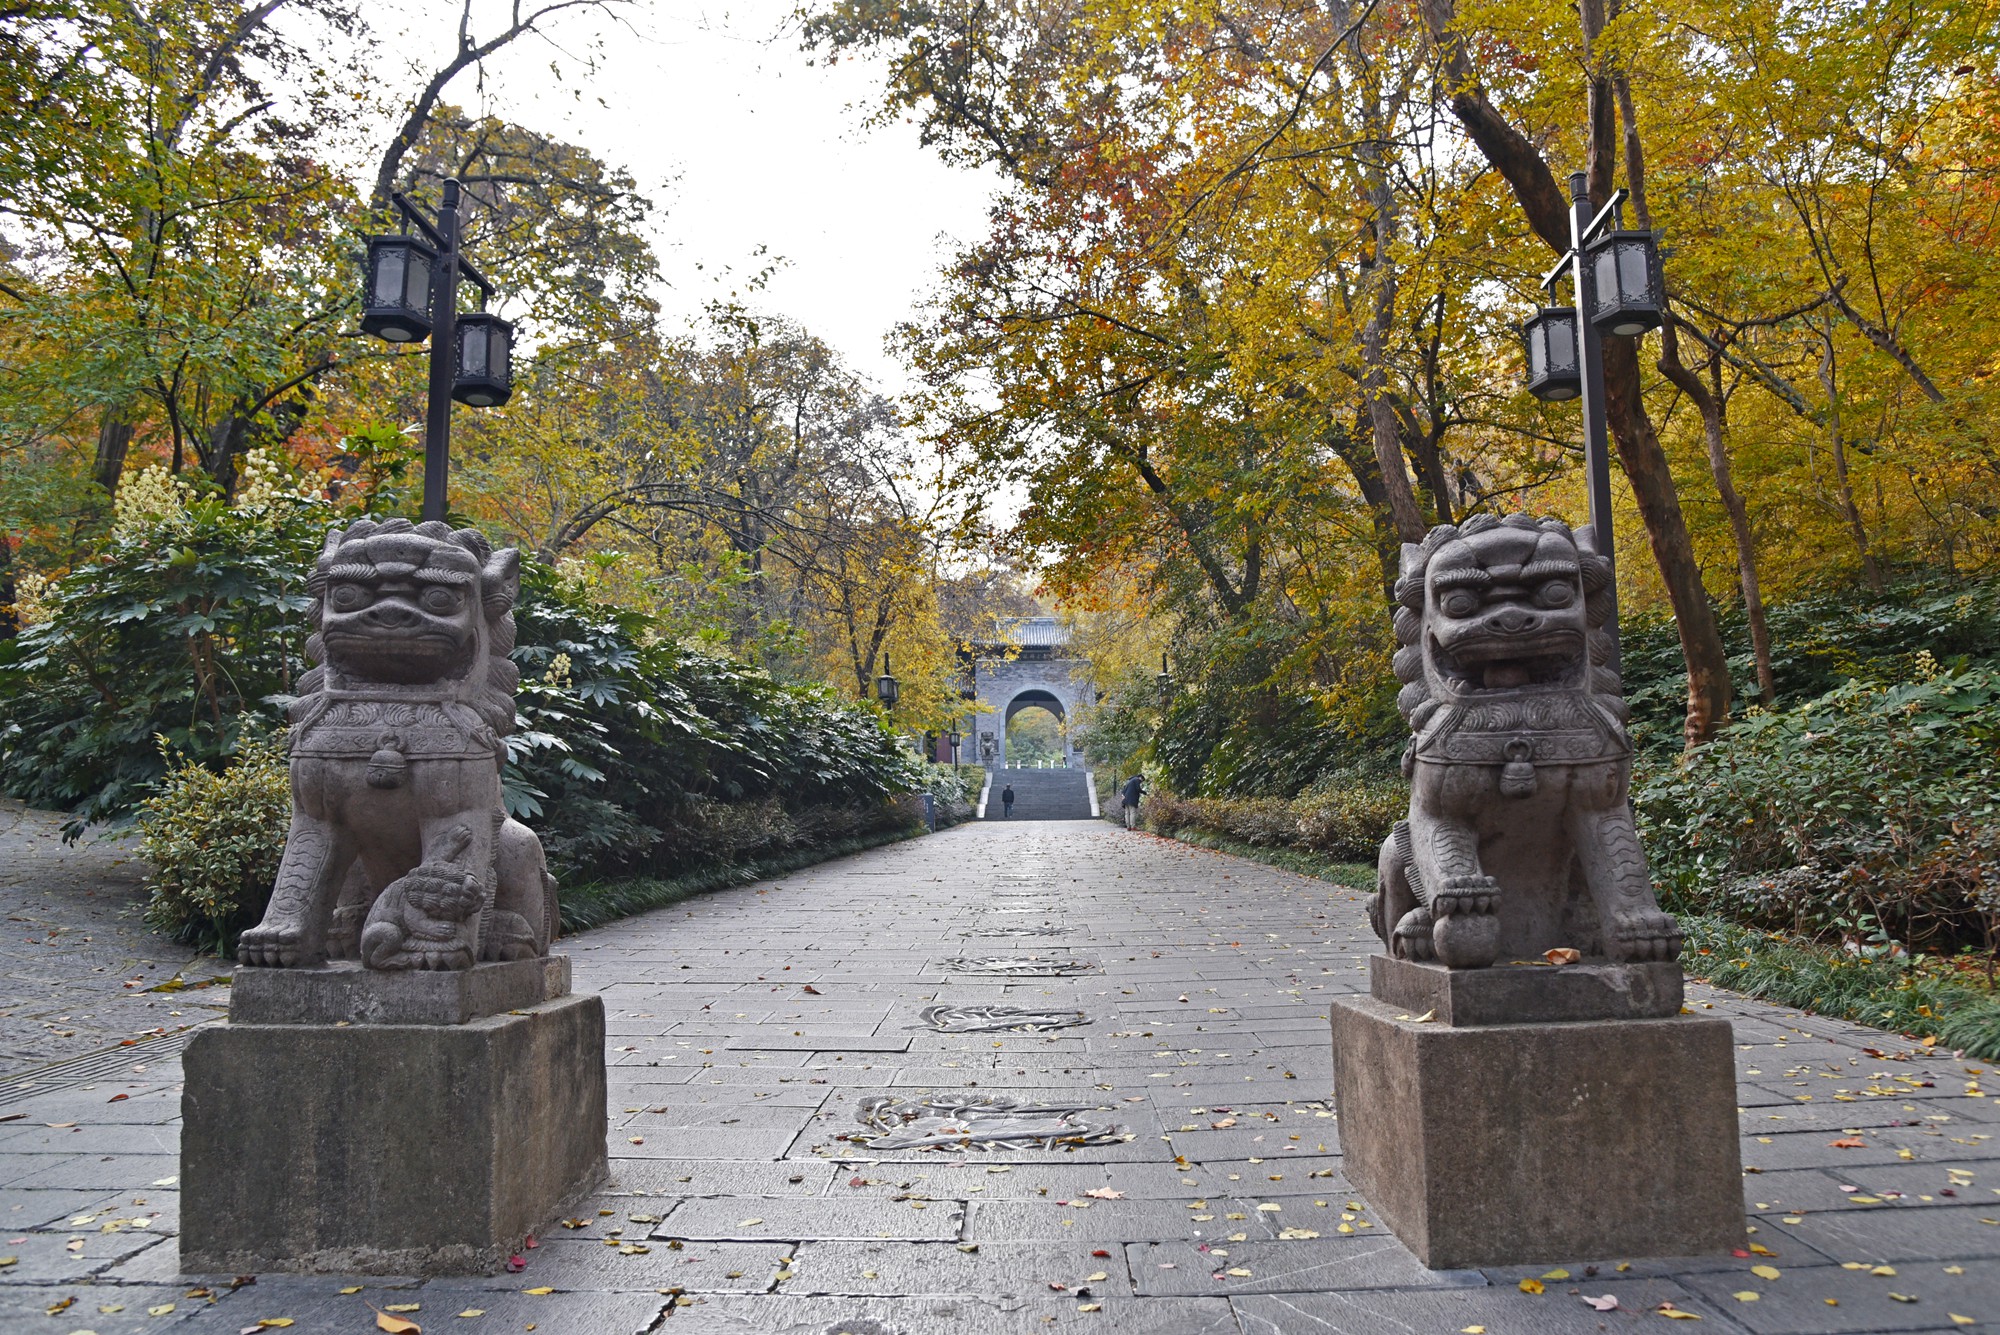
(1033,632)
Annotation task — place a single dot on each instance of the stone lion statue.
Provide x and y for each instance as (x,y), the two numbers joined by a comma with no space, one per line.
(1519,838)
(400,853)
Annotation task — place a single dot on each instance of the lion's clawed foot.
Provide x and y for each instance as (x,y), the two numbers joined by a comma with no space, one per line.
(1466,894)
(1413,935)
(1639,935)
(508,937)
(278,946)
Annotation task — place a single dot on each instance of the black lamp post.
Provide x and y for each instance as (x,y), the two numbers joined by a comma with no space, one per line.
(954,737)
(1164,684)
(886,689)
(1616,276)
(409,293)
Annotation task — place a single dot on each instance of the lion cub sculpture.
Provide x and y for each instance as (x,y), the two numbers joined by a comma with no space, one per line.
(400,852)
(1520,838)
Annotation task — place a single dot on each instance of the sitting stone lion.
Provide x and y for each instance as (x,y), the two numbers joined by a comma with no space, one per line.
(400,852)
(1520,838)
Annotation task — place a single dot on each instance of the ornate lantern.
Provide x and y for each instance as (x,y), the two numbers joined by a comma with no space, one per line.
(886,689)
(1554,368)
(1164,684)
(484,378)
(396,304)
(1627,294)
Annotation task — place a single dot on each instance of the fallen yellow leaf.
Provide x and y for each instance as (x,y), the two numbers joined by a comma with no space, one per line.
(545,1289)
(404,1307)
(161,1310)
(473,1311)
(274,1322)
(1746,1295)
(1557,1274)
(1765,1271)
(1472,1330)
(352,1288)
(1562,955)
(1958,1320)
(396,1325)
(1239,1272)
(1531,1286)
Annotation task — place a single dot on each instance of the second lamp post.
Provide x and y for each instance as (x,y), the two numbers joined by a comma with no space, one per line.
(411,293)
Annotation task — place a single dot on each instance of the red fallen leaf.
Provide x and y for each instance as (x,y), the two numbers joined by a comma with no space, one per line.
(1100,1252)
(530,1244)
(116,1097)
(516,1264)
(811,991)
(1849,1143)
(1739,1253)
(128,1042)
(1059,1288)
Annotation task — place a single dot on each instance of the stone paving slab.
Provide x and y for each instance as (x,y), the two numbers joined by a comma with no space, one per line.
(735,1095)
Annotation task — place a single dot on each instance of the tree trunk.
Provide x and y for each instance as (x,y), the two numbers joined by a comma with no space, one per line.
(1829,378)
(114,439)
(1713,406)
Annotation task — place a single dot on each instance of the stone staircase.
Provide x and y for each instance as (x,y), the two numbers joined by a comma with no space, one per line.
(1042,794)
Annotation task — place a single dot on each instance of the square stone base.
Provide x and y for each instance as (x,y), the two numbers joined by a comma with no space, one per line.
(1531,1143)
(343,991)
(388,1149)
(1523,993)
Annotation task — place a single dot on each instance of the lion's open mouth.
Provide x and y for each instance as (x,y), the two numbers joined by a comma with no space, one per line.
(1506,663)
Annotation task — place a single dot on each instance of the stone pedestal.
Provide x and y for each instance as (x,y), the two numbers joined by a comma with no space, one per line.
(415,1148)
(1528,1143)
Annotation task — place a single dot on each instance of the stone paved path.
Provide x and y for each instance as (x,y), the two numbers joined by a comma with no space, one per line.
(751,1029)
(79,971)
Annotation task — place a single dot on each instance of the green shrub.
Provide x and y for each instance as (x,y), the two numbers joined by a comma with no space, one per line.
(213,841)
(189,626)
(1867,814)
(1342,818)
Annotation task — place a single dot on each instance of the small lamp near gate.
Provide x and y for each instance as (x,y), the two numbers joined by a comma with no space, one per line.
(1627,292)
(484,376)
(396,304)
(1555,371)
(886,689)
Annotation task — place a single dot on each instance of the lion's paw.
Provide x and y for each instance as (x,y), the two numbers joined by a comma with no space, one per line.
(277,946)
(1413,935)
(1640,935)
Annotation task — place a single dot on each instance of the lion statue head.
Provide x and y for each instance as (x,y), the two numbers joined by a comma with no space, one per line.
(1502,609)
(423,607)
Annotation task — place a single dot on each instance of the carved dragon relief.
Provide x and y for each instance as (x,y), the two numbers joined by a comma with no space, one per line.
(400,853)
(1520,837)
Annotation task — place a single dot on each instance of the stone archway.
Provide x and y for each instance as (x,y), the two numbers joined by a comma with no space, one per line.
(1029,669)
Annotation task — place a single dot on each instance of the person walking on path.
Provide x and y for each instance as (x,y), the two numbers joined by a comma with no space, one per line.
(1007,802)
(1135,788)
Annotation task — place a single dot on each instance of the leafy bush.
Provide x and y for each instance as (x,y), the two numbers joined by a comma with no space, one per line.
(1343,818)
(1866,814)
(187,626)
(213,841)
(1818,642)
(638,756)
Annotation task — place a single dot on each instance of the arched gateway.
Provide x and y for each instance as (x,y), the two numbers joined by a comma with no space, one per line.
(1027,665)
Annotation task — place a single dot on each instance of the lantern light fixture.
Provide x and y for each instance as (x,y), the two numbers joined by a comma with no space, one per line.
(1555,371)
(1164,683)
(396,299)
(484,376)
(886,689)
(1627,292)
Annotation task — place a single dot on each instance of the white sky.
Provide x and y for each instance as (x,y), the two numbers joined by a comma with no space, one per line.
(741,143)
